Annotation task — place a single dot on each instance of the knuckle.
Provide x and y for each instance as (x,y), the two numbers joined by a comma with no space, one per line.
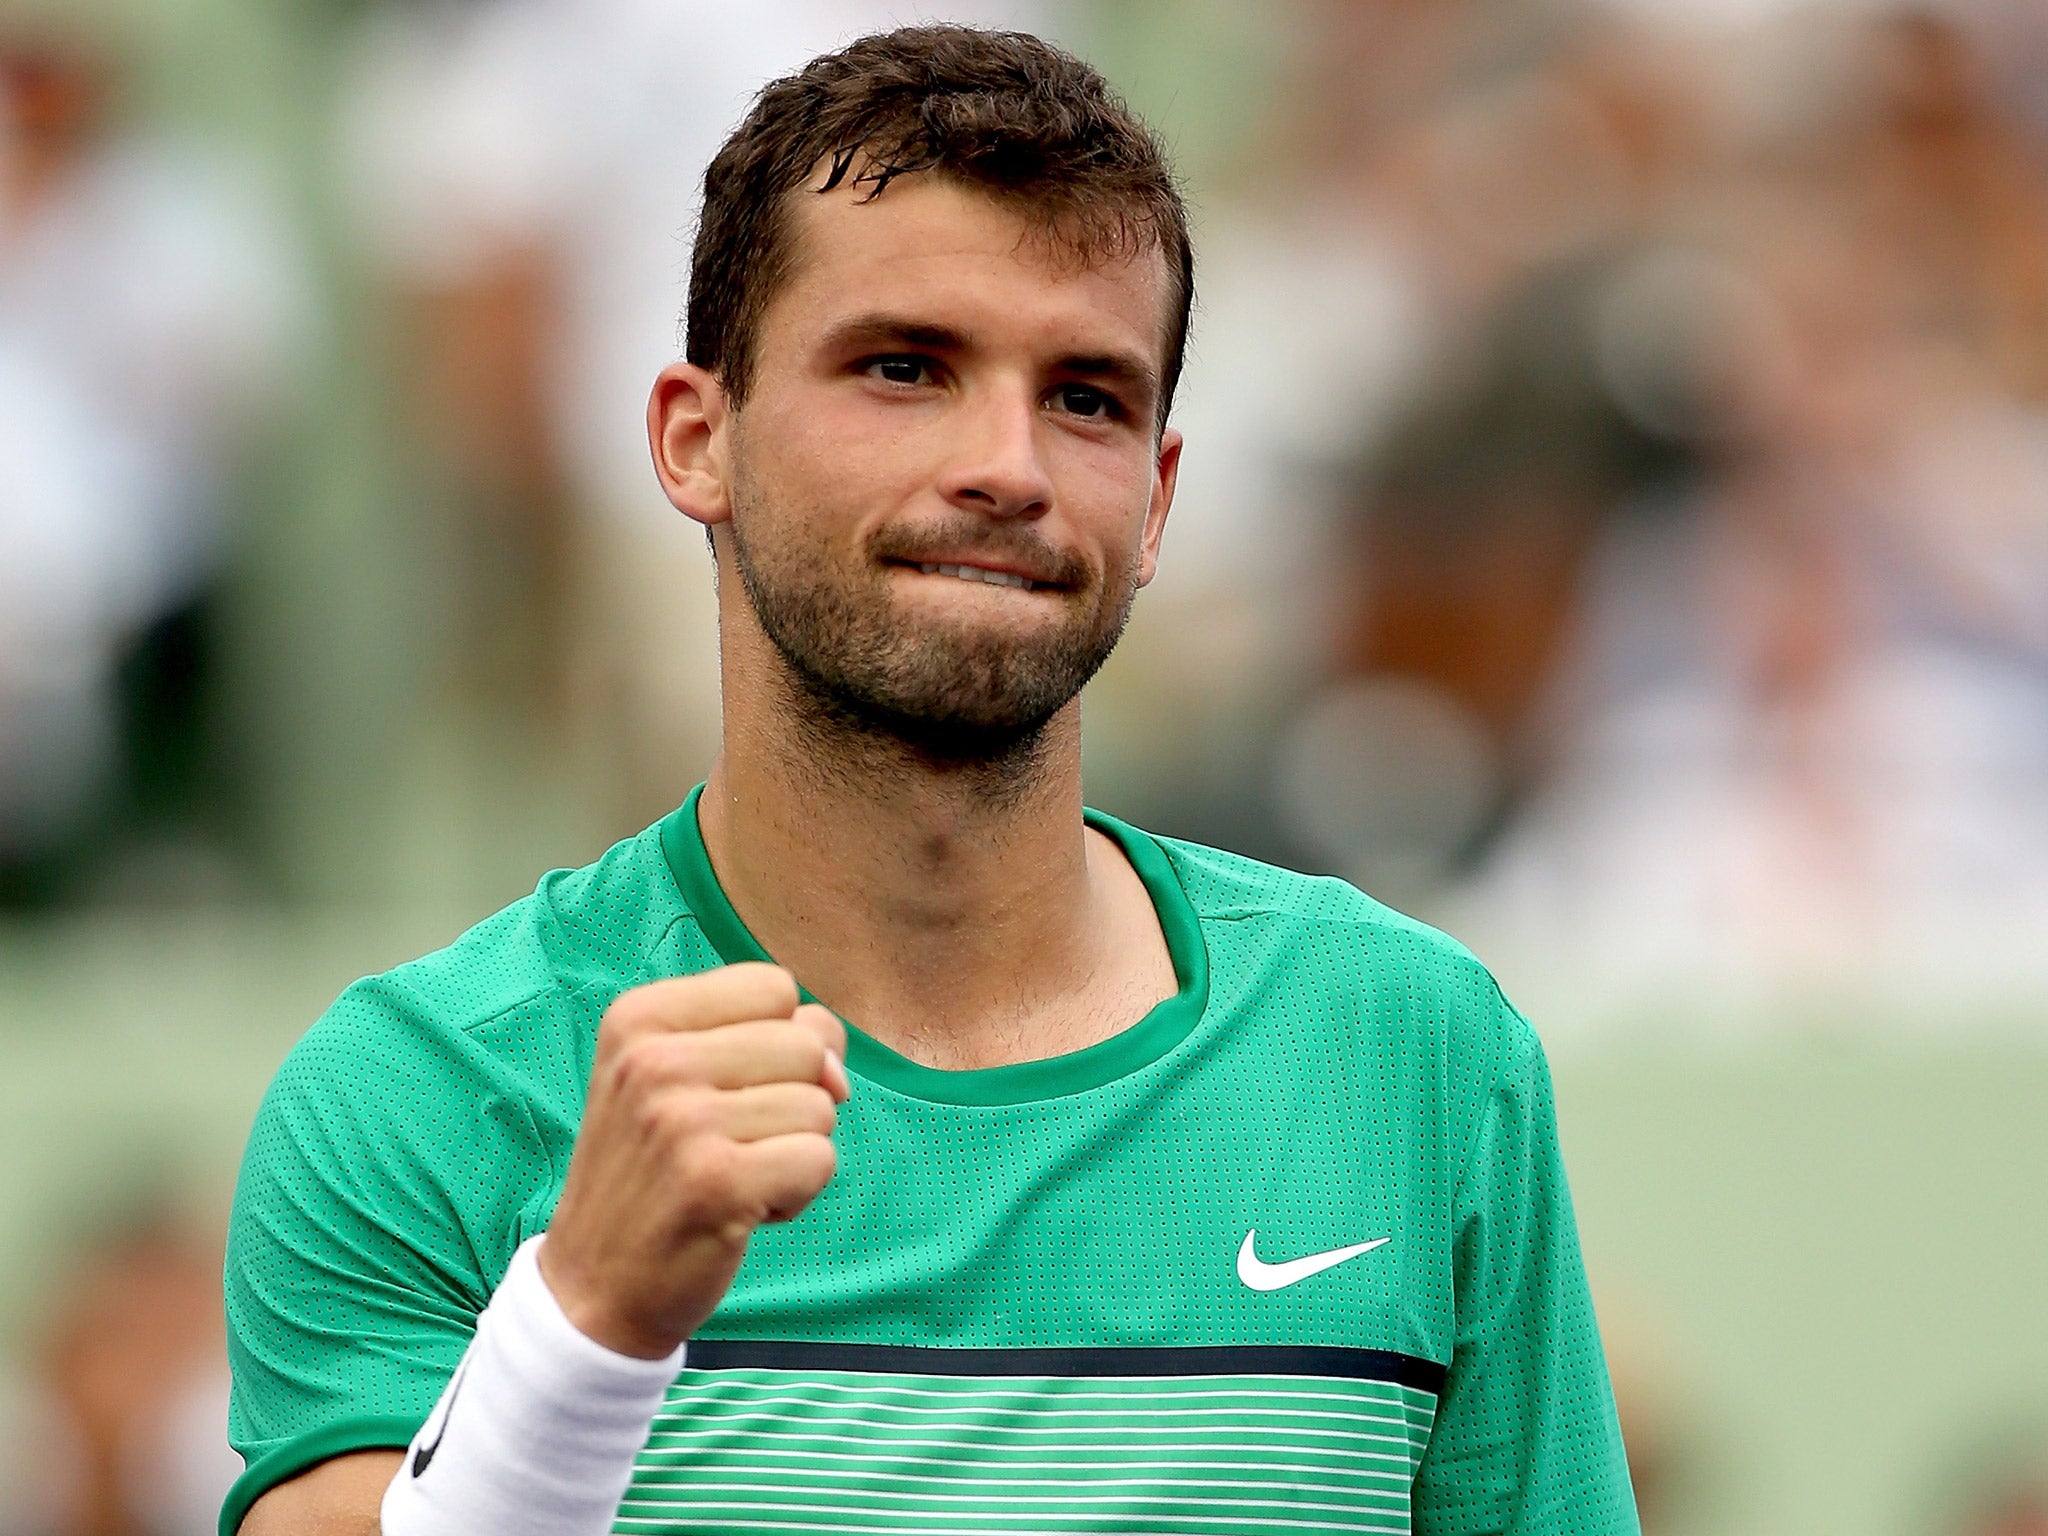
(640,1062)
(620,1077)
(686,1113)
(706,1167)
(773,985)
(822,1022)
(819,1112)
(806,1050)
(621,1022)
(752,989)
(684,1056)
(779,1051)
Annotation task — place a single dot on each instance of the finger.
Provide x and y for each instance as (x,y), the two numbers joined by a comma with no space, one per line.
(827,1023)
(709,1000)
(744,1055)
(783,1174)
(773,1109)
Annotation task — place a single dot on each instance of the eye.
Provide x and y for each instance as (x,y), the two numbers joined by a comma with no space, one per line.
(903,370)
(1085,401)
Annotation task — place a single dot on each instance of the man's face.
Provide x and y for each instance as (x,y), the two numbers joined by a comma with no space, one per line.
(946,485)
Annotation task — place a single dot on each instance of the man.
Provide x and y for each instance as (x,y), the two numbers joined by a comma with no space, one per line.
(1155,1189)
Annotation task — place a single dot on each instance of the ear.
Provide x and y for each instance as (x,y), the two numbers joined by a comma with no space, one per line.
(1166,473)
(687,420)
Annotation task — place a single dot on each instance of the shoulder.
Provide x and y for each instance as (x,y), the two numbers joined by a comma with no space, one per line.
(508,1000)
(1319,914)
(1320,942)
(590,928)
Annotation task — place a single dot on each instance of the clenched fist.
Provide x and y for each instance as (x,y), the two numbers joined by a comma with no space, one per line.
(711,1106)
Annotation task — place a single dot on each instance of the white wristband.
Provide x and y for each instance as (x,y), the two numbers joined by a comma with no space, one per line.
(537,1432)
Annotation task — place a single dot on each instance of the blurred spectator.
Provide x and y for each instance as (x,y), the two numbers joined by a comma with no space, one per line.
(147,305)
(1958,195)
(1532,165)
(1479,513)
(131,1401)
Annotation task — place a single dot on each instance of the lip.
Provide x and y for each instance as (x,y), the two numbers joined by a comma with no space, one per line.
(1040,581)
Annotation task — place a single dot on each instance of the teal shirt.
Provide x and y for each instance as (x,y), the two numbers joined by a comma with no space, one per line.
(1026,1300)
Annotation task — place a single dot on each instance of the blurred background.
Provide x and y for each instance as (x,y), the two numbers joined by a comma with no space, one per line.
(1614,527)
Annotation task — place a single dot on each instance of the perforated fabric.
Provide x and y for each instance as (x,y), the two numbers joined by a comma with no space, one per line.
(1018,1306)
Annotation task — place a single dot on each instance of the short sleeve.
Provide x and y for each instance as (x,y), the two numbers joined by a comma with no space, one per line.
(1526,1440)
(363,1244)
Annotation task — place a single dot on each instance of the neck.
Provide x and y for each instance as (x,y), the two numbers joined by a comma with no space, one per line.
(947,906)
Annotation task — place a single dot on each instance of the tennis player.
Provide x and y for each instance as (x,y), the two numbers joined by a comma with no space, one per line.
(882,1142)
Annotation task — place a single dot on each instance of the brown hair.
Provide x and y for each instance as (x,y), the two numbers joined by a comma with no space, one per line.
(1003,111)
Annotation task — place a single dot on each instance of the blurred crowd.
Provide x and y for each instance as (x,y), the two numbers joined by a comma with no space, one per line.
(1616,511)
(149,300)
(1670,401)
(1614,521)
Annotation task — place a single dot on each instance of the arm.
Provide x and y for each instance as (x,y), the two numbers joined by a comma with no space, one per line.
(709,1111)
(336,1498)
(1525,1440)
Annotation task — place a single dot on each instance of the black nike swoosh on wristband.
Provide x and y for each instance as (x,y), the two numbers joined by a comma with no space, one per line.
(425,1453)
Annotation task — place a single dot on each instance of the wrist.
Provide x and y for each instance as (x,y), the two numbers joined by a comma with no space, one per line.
(538,1429)
(591,1316)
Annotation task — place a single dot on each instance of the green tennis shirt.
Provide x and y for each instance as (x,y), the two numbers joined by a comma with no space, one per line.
(1292,1253)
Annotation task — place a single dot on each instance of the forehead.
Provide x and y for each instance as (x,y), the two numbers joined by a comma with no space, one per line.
(929,243)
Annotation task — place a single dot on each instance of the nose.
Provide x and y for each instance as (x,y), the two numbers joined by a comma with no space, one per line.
(996,467)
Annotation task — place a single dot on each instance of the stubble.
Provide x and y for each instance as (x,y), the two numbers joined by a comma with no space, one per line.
(865,677)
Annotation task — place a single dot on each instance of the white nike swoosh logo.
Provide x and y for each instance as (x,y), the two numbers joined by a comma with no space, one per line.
(1261,1276)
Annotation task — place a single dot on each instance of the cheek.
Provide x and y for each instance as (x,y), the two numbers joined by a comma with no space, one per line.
(828,462)
(1113,492)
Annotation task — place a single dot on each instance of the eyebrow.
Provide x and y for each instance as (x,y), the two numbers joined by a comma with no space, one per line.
(889,330)
(882,330)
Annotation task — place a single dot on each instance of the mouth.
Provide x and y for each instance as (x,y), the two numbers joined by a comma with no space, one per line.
(993,578)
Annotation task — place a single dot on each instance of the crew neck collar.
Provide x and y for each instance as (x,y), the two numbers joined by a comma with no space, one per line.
(1135,1047)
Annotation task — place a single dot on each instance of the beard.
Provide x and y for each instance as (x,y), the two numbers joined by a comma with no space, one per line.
(953,695)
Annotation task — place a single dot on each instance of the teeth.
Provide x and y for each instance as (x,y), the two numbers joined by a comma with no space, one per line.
(976,573)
